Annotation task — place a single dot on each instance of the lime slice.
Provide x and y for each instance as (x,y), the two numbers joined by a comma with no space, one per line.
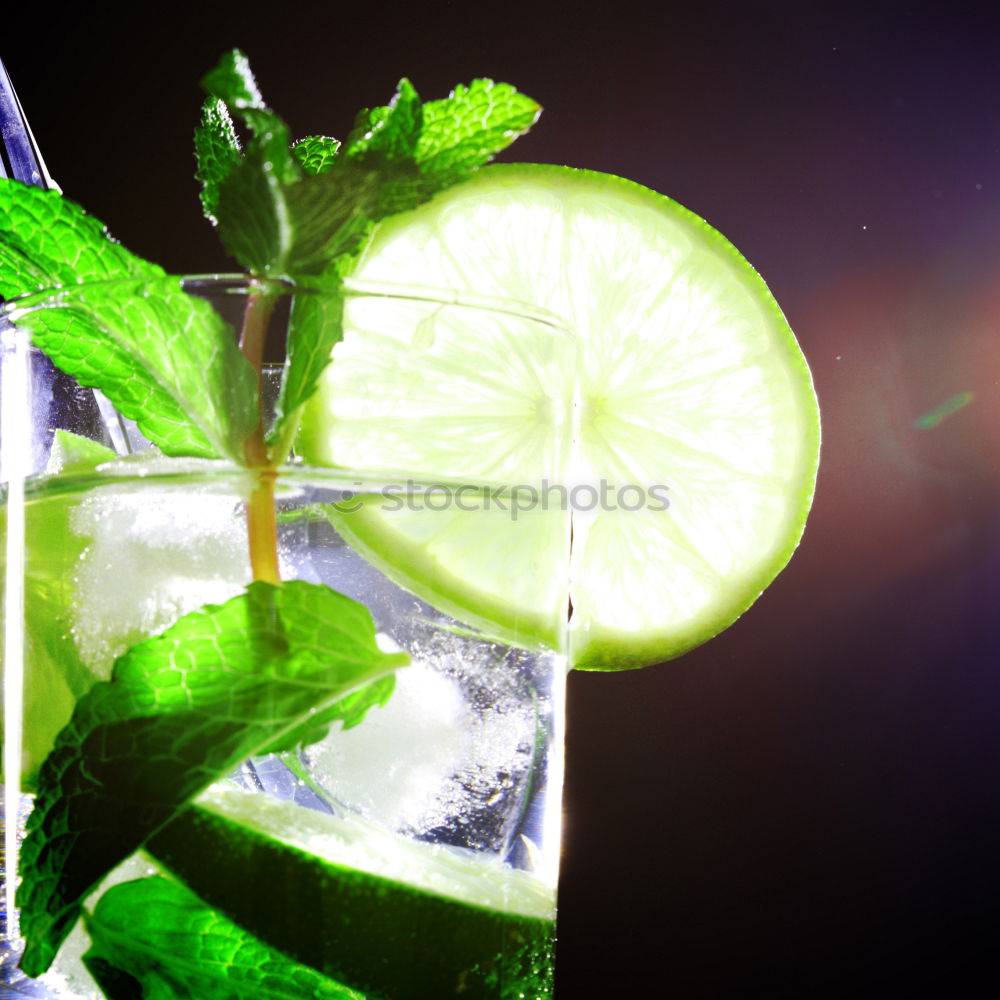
(434,921)
(672,403)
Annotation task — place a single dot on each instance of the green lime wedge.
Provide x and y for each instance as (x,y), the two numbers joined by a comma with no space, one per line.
(675,407)
(434,921)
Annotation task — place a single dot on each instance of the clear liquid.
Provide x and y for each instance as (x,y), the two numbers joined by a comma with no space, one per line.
(465,756)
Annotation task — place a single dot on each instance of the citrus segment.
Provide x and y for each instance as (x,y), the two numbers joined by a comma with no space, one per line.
(668,401)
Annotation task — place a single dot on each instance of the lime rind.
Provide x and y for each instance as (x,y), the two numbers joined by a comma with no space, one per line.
(381,914)
(468,877)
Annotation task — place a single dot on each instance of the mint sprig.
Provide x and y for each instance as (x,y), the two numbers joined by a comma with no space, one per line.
(292,211)
(304,212)
(156,939)
(254,675)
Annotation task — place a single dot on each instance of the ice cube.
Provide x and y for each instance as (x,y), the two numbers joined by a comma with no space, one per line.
(391,767)
(154,554)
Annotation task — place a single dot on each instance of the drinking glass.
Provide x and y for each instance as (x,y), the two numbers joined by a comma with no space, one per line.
(437,812)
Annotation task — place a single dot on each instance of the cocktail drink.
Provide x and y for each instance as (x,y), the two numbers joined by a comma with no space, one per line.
(294,641)
(418,822)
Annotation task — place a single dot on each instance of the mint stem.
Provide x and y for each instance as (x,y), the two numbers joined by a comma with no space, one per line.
(253,336)
(262,527)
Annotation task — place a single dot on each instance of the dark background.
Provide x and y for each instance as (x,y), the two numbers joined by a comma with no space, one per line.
(810,804)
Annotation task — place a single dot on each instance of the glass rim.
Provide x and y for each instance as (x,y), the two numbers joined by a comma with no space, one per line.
(236,284)
(143,470)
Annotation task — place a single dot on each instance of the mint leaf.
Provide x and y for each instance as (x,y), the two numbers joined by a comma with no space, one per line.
(391,133)
(164,358)
(253,215)
(48,241)
(315,325)
(233,83)
(155,938)
(469,128)
(330,214)
(181,710)
(351,711)
(248,197)
(421,150)
(217,151)
(316,153)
